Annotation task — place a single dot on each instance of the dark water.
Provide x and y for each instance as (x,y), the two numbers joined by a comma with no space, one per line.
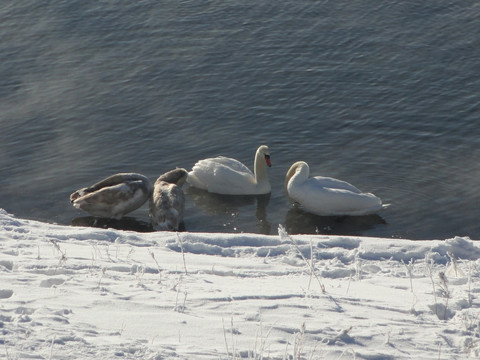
(385,95)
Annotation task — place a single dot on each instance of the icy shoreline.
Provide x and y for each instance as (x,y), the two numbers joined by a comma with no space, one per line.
(73,292)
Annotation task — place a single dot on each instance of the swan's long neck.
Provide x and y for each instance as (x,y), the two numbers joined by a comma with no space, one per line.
(289,175)
(297,172)
(303,171)
(261,176)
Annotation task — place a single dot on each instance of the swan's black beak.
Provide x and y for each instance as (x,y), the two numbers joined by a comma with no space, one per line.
(267,160)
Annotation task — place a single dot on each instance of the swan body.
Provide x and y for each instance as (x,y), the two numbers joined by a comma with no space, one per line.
(326,196)
(114,196)
(168,200)
(222,175)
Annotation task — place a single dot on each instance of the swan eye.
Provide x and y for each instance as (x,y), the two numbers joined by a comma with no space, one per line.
(267,160)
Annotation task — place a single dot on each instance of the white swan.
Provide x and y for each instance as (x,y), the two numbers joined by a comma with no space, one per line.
(168,201)
(114,196)
(222,175)
(326,196)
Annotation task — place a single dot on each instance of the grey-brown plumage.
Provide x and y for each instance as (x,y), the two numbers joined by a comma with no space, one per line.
(114,196)
(168,200)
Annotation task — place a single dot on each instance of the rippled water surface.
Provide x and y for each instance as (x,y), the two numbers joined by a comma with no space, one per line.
(384,95)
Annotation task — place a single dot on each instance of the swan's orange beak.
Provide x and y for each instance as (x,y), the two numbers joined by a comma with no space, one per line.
(267,160)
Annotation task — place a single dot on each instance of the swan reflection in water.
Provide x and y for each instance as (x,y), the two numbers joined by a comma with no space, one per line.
(298,221)
(125,223)
(217,204)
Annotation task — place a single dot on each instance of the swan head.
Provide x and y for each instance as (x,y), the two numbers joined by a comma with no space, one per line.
(296,167)
(175,176)
(264,151)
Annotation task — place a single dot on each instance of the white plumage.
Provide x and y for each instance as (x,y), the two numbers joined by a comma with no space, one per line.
(222,175)
(326,196)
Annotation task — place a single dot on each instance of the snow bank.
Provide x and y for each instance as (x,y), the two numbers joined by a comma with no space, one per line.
(71,293)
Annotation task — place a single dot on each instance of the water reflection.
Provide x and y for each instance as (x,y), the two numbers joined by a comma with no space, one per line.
(217,204)
(298,221)
(125,223)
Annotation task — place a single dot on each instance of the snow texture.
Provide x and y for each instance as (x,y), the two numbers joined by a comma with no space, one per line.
(87,293)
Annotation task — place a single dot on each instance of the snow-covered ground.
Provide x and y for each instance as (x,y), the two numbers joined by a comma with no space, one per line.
(87,293)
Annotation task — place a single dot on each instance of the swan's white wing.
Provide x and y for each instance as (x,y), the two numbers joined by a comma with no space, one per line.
(317,198)
(232,164)
(328,182)
(222,175)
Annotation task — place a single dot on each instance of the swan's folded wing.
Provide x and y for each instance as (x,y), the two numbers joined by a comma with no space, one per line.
(114,201)
(118,179)
(222,175)
(326,201)
(328,182)
(233,164)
